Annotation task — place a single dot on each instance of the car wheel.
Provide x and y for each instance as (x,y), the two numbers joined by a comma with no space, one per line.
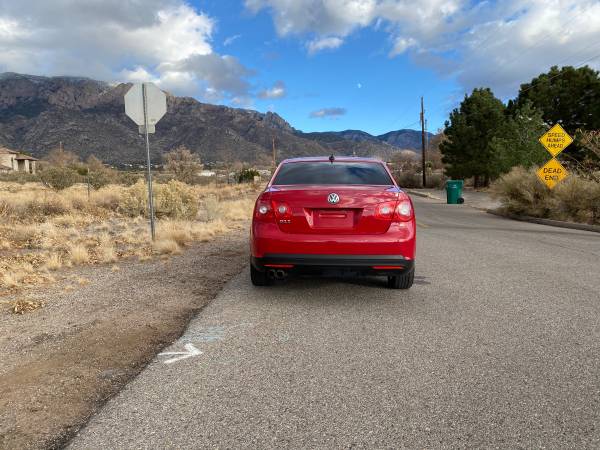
(259,278)
(404,281)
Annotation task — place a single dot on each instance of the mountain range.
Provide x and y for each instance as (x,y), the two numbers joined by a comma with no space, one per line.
(38,113)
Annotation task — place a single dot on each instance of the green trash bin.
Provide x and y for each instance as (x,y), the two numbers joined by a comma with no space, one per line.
(454,192)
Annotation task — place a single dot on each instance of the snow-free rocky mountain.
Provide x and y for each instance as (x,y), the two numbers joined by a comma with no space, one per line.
(87,116)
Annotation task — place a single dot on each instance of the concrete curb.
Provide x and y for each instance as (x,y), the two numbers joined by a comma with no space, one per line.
(422,194)
(549,222)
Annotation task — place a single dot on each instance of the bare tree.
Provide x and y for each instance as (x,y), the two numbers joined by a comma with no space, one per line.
(62,158)
(590,140)
(184,164)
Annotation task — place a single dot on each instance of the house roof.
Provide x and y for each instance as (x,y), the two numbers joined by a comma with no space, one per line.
(22,157)
(5,151)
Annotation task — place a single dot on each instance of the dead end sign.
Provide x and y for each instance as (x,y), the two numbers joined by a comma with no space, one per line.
(552,173)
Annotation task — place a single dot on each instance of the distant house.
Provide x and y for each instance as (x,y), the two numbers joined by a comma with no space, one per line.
(207,173)
(13,161)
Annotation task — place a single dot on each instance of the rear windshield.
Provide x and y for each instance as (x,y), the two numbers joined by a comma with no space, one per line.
(332,173)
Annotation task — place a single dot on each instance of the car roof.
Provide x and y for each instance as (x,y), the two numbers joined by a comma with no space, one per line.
(337,159)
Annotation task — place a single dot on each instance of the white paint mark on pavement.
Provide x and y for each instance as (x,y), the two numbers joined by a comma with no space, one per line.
(190,351)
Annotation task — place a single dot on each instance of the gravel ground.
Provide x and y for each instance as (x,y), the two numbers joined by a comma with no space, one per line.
(60,363)
(496,346)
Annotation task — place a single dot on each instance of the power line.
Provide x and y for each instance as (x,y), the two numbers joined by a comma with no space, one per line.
(482,47)
(542,39)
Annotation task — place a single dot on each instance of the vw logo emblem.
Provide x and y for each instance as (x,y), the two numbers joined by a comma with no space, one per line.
(333,198)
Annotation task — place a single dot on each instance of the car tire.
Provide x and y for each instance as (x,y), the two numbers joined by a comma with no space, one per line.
(404,281)
(259,278)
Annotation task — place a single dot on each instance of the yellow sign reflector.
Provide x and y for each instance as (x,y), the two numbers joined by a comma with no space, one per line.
(556,139)
(552,173)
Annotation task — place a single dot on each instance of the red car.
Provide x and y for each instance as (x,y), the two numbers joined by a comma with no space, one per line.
(333,215)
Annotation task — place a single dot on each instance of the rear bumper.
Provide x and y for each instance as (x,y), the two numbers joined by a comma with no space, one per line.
(366,264)
(268,239)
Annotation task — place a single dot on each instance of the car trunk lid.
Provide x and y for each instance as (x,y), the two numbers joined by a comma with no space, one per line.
(314,209)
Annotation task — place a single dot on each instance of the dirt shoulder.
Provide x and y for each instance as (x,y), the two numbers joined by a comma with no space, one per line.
(62,362)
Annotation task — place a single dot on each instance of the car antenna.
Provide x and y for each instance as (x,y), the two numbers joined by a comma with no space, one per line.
(331,159)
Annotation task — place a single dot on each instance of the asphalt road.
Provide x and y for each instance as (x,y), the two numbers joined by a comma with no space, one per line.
(496,345)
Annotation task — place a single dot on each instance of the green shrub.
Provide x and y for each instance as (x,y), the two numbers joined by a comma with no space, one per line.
(247,175)
(19,177)
(175,200)
(101,178)
(59,178)
(408,179)
(134,201)
(128,178)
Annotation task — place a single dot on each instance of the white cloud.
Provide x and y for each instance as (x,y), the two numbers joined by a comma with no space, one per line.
(277,91)
(231,39)
(328,112)
(497,44)
(333,17)
(401,45)
(119,40)
(137,75)
(327,43)
(225,73)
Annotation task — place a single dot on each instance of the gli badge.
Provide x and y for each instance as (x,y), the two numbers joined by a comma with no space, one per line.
(333,198)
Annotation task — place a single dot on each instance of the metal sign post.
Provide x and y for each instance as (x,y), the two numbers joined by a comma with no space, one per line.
(150,196)
(145,104)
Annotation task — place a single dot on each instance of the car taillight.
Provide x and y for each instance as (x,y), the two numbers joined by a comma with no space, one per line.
(385,210)
(282,210)
(398,211)
(404,211)
(263,211)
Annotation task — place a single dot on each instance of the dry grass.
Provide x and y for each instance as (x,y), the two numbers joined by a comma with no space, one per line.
(43,231)
(54,262)
(166,247)
(23,306)
(574,199)
(79,254)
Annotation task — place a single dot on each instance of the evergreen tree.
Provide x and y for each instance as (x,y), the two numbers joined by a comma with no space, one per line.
(467,152)
(517,141)
(568,96)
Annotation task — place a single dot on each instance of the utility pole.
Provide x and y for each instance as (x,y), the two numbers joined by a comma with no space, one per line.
(274,154)
(423,143)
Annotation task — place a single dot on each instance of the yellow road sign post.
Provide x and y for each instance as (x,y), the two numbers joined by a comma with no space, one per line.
(552,173)
(556,139)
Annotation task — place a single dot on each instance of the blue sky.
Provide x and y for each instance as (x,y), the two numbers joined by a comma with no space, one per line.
(320,64)
(378,93)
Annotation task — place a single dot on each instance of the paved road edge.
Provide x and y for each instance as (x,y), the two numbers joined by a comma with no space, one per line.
(549,222)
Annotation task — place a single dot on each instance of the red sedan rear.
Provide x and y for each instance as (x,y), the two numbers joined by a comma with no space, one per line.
(333,215)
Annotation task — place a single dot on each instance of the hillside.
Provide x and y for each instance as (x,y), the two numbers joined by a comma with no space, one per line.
(87,116)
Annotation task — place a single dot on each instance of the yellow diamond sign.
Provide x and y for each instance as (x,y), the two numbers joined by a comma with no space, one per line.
(552,173)
(556,139)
